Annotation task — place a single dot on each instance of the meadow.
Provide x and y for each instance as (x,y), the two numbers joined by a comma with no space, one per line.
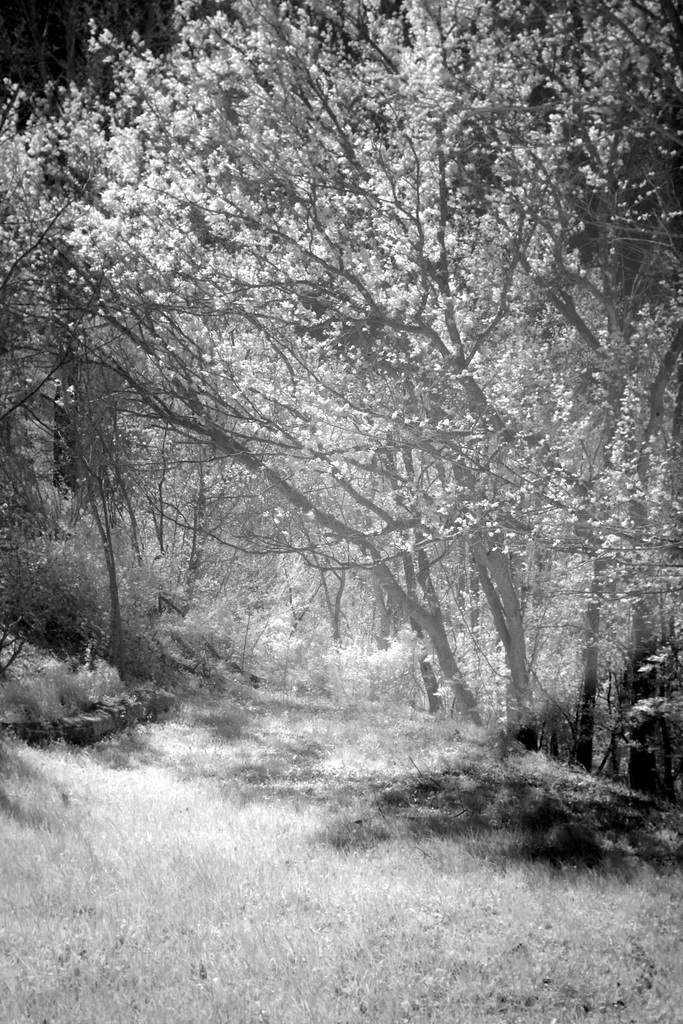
(268,861)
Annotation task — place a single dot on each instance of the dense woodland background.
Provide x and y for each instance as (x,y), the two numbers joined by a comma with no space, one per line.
(344,341)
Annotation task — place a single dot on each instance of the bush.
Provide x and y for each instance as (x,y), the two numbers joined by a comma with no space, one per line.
(306,660)
(376,675)
(570,843)
(50,598)
(55,690)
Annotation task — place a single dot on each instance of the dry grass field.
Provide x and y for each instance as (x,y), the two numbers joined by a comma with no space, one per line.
(271,862)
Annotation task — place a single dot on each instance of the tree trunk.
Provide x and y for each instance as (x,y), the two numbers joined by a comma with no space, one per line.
(117,648)
(496,581)
(429,680)
(584,743)
(65,446)
(642,768)
(431,685)
(615,755)
(132,516)
(196,558)
(465,701)
(334,607)
(642,764)
(390,614)
(426,670)
(667,748)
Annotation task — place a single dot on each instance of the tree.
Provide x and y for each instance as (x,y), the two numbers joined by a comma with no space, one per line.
(594,169)
(295,433)
(416,274)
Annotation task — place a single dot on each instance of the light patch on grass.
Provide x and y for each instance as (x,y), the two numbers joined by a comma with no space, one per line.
(158,884)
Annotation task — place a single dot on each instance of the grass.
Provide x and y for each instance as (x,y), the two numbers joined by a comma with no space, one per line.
(281,864)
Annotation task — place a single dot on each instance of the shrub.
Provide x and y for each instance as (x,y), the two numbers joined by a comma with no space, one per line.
(377,675)
(308,661)
(571,843)
(56,690)
(51,598)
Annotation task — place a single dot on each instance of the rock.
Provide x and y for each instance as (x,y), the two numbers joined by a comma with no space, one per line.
(100,719)
(86,728)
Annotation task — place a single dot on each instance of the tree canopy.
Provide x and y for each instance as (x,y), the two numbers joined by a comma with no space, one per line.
(404,279)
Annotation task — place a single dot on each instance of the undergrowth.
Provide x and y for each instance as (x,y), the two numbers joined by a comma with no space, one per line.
(48,689)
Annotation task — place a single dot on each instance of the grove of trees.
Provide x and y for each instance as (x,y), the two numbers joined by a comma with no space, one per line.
(348,331)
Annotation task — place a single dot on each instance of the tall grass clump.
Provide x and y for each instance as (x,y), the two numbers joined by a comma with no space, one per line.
(305,661)
(53,688)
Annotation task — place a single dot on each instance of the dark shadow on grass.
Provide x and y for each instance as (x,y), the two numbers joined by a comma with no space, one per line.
(14,768)
(135,747)
(127,750)
(513,820)
(225,725)
(499,810)
(224,720)
(286,762)
(266,765)
(347,834)
(29,817)
(491,809)
(570,826)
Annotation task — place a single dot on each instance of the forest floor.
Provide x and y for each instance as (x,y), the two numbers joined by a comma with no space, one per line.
(278,861)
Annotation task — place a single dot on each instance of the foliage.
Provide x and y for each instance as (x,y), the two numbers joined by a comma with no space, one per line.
(304,661)
(377,304)
(387,676)
(51,598)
